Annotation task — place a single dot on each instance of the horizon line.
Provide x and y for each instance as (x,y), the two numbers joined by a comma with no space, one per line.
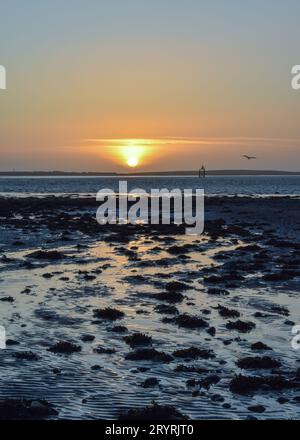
(114,173)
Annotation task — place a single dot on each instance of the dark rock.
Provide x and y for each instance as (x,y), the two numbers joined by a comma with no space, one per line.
(166,309)
(177,286)
(153,412)
(217,398)
(142,312)
(47,255)
(240,326)
(282,400)
(261,315)
(277,276)
(257,408)
(216,291)
(119,329)
(135,279)
(47,275)
(64,347)
(227,342)
(249,248)
(260,346)
(211,331)
(108,314)
(172,297)
(11,342)
(246,384)
(103,350)
(194,353)
(150,382)
(89,277)
(87,338)
(264,362)
(26,355)
(190,321)
(7,299)
(96,368)
(137,339)
(213,279)
(22,409)
(226,406)
(228,313)
(177,250)
(190,369)
(149,354)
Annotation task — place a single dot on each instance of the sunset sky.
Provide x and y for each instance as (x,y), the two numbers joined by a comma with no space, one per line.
(98,85)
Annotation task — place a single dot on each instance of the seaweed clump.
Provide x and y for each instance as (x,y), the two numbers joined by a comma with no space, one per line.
(194,353)
(149,354)
(240,326)
(225,312)
(190,321)
(26,356)
(246,384)
(153,412)
(24,409)
(108,313)
(64,347)
(257,362)
(137,339)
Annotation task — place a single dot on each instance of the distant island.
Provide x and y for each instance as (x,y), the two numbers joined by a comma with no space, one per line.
(149,173)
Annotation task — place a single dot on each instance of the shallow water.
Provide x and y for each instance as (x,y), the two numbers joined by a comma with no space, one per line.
(213,185)
(116,385)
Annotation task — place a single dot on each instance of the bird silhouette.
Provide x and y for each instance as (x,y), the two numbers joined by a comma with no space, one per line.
(249,157)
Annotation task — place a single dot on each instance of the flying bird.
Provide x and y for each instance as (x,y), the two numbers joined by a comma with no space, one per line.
(249,157)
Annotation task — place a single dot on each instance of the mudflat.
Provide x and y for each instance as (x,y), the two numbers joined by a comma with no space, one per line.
(103,320)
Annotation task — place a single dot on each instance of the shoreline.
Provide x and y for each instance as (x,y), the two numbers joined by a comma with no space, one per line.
(239,172)
(88,196)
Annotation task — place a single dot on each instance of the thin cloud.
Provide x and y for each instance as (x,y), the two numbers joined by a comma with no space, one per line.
(189,141)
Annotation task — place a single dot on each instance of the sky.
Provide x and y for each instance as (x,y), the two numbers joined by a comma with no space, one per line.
(93,85)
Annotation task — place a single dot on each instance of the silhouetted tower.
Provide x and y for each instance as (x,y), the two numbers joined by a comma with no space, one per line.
(202,172)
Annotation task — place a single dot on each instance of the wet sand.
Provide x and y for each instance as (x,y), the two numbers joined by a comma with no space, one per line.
(102,320)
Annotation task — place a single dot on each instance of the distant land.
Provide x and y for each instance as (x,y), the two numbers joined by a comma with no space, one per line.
(149,173)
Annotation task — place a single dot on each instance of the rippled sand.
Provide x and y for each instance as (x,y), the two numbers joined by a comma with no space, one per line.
(44,301)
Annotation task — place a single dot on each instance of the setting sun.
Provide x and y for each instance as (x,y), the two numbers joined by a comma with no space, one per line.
(132,162)
(130,152)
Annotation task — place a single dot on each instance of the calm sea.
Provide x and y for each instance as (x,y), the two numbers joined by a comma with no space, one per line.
(213,185)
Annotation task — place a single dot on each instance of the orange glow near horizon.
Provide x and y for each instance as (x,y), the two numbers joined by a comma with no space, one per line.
(130,152)
(144,152)
(176,153)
